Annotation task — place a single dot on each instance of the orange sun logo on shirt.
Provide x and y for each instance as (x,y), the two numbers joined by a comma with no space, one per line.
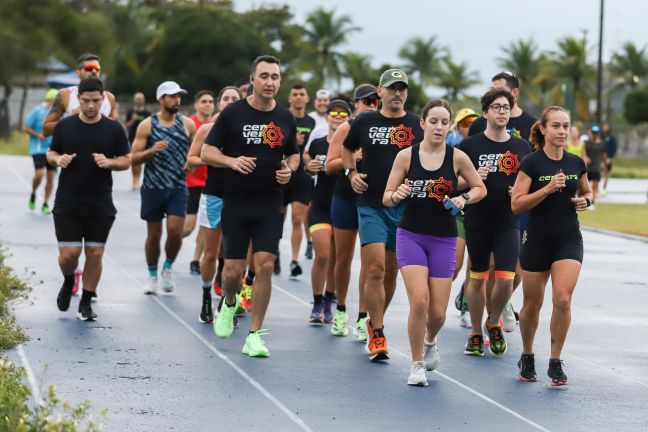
(272,135)
(439,188)
(401,136)
(508,163)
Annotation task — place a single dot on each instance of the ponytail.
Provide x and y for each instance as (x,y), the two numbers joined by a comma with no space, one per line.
(536,136)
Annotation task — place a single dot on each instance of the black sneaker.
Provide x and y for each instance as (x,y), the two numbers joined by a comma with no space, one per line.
(85,312)
(527,368)
(295,269)
(206,313)
(277,266)
(64,297)
(194,268)
(309,250)
(556,373)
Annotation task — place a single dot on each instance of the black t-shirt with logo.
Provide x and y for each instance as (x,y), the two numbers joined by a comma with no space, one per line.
(503,160)
(424,212)
(83,182)
(381,138)
(323,191)
(141,115)
(556,214)
(519,127)
(242,130)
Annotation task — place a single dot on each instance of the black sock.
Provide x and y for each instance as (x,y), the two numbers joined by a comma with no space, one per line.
(379,331)
(329,295)
(341,308)
(362,315)
(206,292)
(86,296)
(293,262)
(221,264)
(249,279)
(68,281)
(319,298)
(32,197)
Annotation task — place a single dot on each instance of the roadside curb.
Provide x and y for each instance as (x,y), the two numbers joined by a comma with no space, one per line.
(616,234)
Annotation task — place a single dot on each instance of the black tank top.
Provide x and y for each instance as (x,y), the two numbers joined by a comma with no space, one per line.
(424,212)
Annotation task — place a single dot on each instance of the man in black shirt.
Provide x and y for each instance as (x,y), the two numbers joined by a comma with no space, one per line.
(134,117)
(611,148)
(490,225)
(381,135)
(250,139)
(520,122)
(298,191)
(87,147)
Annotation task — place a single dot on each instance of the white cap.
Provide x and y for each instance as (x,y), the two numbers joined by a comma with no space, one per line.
(321,93)
(169,88)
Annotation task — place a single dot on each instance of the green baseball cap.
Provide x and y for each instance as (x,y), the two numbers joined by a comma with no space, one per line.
(391,76)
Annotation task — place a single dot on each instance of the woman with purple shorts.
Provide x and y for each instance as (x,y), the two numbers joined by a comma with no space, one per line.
(423,176)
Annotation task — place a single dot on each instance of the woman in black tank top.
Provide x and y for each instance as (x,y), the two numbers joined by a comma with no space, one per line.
(424,176)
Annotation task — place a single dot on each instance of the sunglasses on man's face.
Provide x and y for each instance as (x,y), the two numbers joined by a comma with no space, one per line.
(92,67)
(370,101)
(340,114)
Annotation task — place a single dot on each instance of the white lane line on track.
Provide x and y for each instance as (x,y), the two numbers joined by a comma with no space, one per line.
(444,376)
(276,402)
(31,378)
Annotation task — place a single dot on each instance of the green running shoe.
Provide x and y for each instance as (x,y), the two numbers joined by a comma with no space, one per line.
(254,346)
(32,203)
(497,342)
(240,309)
(474,345)
(224,324)
(45,209)
(360,330)
(339,327)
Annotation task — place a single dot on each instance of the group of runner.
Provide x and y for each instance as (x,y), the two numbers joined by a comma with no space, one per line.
(381,172)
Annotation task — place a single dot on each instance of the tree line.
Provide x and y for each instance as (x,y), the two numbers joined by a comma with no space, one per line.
(207,44)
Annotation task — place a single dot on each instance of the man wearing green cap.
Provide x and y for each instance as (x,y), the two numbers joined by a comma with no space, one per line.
(380,135)
(38,145)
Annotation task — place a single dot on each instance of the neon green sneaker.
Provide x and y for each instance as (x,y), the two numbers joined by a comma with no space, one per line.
(224,324)
(360,330)
(254,346)
(339,327)
(45,209)
(240,309)
(32,203)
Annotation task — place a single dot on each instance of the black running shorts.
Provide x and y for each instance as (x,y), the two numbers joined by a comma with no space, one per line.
(299,189)
(539,251)
(194,199)
(259,219)
(40,162)
(75,225)
(503,243)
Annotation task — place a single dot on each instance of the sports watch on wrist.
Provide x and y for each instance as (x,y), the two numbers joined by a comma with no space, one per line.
(465,196)
(348,171)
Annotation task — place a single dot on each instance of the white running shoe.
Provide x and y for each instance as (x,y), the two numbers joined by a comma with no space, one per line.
(417,375)
(508,318)
(465,320)
(431,355)
(151,286)
(168,284)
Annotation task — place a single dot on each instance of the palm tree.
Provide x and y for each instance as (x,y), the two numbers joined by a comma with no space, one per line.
(522,58)
(325,32)
(455,78)
(631,64)
(358,68)
(424,57)
(570,63)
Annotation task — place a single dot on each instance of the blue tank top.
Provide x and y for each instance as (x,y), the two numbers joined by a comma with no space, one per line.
(424,212)
(164,169)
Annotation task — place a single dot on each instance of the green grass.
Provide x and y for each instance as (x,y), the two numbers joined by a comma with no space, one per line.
(16,414)
(624,167)
(627,218)
(17,144)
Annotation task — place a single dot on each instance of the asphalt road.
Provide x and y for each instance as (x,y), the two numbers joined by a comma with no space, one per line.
(153,366)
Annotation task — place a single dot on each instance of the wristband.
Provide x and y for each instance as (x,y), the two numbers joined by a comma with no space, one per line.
(588,202)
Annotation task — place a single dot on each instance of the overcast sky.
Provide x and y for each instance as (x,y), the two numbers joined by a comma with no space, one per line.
(475,31)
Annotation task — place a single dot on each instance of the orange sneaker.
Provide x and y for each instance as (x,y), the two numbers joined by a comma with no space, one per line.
(246,295)
(218,290)
(376,344)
